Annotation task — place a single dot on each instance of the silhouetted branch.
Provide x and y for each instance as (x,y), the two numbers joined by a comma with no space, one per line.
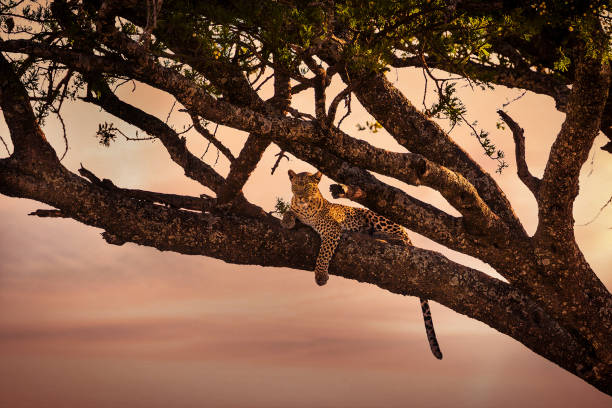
(533,183)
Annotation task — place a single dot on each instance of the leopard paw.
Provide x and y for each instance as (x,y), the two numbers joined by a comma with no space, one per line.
(288,220)
(338,190)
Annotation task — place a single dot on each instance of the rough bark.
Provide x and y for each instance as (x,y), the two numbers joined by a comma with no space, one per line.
(553,302)
(406,271)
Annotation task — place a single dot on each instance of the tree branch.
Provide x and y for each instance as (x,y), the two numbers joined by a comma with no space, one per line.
(203,203)
(408,271)
(194,168)
(553,302)
(242,167)
(570,150)
(413,130)
(333,107)
(147,70)
(533,183)
(29,143)
(416,170)
(392,202)
(211,138)
(284,128)
(517,77)
(256,144)
(49,213)
(319,84)
(556,245)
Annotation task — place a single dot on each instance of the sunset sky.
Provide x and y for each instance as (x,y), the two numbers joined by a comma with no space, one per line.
(87,324)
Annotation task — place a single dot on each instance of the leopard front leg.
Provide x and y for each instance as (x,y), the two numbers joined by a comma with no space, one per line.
(330,236)
(288,220)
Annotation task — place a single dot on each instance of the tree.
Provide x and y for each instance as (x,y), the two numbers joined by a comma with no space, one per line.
(214,56)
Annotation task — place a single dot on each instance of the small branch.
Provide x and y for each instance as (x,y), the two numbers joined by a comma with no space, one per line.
(532,182)
(302,86)
(280,155)
(297,114)
(49,213)
(202,203)
(262,70)
(343,95)
(53,93)
(64,135)
(263,82)
(348,100)
(123,83)
(5,145)
(211,138)
(603,207)
(170,113)
(514,99)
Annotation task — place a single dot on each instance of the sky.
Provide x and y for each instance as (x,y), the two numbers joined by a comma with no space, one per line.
(84,323)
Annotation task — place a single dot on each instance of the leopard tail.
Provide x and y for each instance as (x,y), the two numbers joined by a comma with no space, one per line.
(429,328)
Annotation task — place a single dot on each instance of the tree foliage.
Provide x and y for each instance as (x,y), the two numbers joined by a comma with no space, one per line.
(213,57)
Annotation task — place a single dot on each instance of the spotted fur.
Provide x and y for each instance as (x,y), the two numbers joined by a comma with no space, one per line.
(330,220)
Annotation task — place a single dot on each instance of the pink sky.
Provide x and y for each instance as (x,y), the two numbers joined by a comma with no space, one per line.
(83,323)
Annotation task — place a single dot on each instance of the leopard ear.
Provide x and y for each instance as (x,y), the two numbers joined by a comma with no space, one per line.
(291,174)
(317,176)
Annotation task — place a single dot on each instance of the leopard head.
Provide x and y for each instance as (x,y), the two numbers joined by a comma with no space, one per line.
(305,184)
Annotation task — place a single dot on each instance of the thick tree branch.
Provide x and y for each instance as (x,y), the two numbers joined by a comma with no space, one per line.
(571,148)
(194,167)
(146,69)
(285,130)
(242,167)
(394,203)
(256,144)
(28,139)
(408,271)
(413,130)
(320,84)
(281,100)
(417,170)
(553,302)
(556,245)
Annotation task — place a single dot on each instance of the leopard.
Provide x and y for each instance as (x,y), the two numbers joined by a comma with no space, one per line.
(330,220)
